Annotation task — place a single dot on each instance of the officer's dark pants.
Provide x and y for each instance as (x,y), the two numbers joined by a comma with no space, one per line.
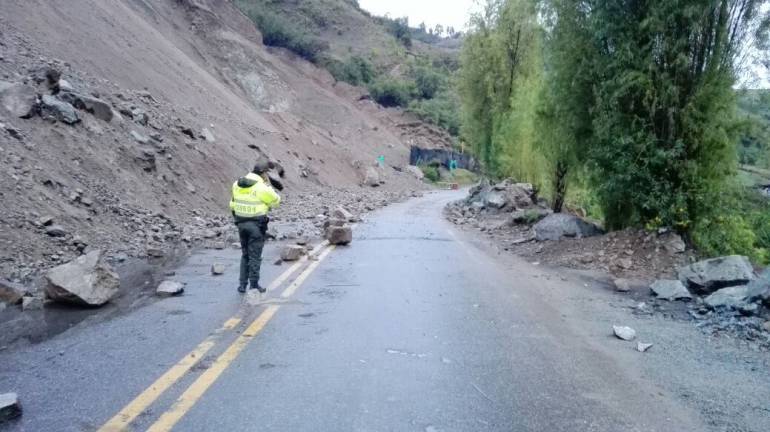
(253,234)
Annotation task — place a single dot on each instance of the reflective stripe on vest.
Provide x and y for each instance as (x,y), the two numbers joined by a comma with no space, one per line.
(247,205)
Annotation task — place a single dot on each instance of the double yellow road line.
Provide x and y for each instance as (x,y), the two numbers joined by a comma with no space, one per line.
(123,419)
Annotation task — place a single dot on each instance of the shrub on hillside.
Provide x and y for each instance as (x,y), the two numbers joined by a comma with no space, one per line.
(392,92)
(278,32)
(441,111)
(355,70)
(431,173)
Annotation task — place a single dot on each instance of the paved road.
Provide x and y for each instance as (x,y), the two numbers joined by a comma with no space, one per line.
(413,327)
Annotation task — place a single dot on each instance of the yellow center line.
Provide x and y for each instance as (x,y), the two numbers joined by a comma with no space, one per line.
(130,412)
(192,395)
(122,419)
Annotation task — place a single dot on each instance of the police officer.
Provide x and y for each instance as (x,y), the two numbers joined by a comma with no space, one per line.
(253,197)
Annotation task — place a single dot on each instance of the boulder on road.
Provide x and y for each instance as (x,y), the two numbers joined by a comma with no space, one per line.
(170,288)
(17,100)
(217,269)
(58,109)
(670,290)
(625,333)
(729,298)
(10,407)
(560,225)
(86,280)
(11,292)
(292,253)
(339,235)
(705,277)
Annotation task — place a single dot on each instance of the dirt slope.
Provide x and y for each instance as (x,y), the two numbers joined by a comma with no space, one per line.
(188,65)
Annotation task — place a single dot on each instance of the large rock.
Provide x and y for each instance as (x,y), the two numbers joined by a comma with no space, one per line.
(11,292)
(372,177)
(560,225)
(759,288)
(10,407)
(670,290)
(169,288)
(58,109)
(625,333)
(292,253)
(517,195)
(99,108)
(416,172)
(495,200)
(85,280)
(17,100)
(342,214)
(705,277)
(730,298)
(339,235)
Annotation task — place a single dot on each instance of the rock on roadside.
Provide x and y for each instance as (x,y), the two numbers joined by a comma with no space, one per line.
(11,292)
(625,333)
(339,235)
(169,288)
(292,253)
(559,225)
(730,298)
(342,214)
(10,407)
(372,177)
(86,280)
(217,269)
(643,347)
(670,290)
(705,277)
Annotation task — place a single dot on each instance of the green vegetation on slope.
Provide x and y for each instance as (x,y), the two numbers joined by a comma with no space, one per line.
(628,106)
(402,66)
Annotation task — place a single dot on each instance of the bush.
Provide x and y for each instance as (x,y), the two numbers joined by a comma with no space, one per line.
(280,33)
(739,223)
(355,70)
(441,111)
(428,81)
(431,173)
(391,92)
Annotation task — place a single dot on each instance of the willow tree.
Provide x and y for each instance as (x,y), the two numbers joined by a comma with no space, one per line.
(663,121)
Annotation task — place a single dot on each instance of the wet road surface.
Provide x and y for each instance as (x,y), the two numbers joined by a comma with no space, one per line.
(413,327)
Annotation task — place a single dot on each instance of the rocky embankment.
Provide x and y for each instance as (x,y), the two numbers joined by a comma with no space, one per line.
(725,295)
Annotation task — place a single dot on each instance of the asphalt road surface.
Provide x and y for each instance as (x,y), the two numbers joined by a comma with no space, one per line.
(413,327)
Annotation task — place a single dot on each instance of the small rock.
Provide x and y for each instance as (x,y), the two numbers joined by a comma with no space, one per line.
(45,220)
(643,347)
(766,326)
(56,231)
(170,288)
(217,269)
(673,243)
(625,333)
(11,292)
(10,407)
(372,177)
(99,108)
(32,303)
(154,252)
(207,135)
(292,253)
(622,285)
(141,139)
(17,100)
(278,262)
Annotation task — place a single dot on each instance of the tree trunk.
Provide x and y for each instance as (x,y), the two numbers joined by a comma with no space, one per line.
(559,186)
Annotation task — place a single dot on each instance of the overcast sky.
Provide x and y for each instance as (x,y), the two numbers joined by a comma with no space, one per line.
(453,13)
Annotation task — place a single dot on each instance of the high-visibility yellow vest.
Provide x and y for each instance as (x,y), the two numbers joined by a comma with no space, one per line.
(253,200)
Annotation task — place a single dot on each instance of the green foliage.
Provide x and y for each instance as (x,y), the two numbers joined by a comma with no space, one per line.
(399,27)
(392,92)
(441,111)
(431,173)
(355,70)
(738,222)
(429,80)
(276,31)
(754,143)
